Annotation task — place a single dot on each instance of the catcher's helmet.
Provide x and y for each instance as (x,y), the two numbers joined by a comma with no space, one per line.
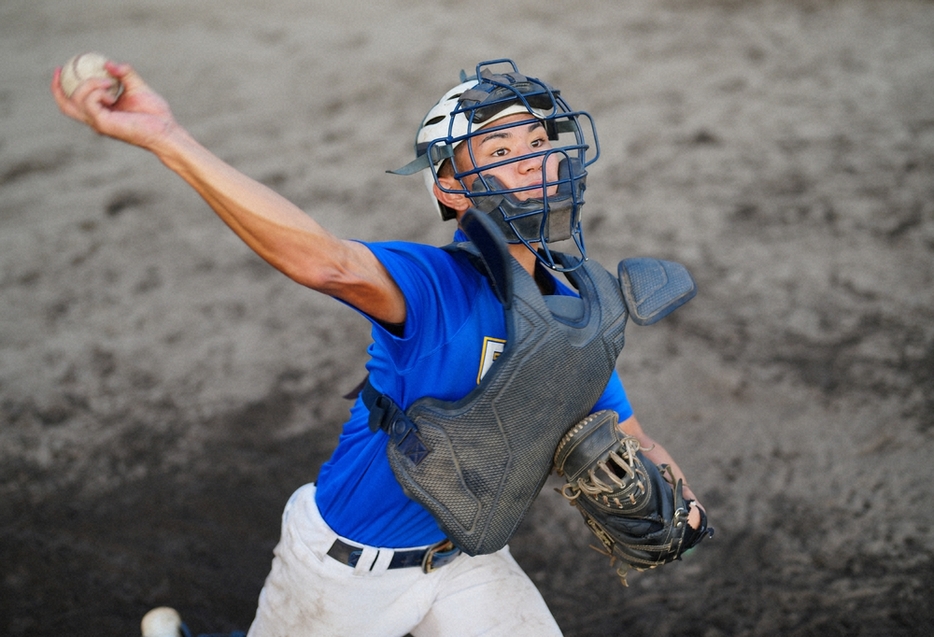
(477,103)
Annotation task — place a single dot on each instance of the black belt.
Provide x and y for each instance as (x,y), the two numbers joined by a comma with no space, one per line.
(430,559)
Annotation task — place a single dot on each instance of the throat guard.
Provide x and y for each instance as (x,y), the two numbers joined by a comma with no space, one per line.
(478,463)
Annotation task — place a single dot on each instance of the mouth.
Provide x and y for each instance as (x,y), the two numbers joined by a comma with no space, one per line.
(536,190)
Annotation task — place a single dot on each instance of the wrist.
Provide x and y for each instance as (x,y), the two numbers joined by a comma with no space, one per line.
(174,146)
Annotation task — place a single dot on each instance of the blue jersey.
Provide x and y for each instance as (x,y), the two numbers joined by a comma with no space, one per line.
(454,330)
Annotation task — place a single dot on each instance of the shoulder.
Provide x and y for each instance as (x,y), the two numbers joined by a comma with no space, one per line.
(423,264)
(436,284)
(389,252)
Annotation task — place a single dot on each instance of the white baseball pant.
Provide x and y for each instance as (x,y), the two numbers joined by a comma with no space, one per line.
(308,593)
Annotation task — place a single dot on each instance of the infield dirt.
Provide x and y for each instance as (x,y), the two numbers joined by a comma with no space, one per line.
(163,391)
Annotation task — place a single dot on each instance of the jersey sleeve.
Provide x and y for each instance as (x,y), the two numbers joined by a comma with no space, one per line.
(437,292)
(614,397)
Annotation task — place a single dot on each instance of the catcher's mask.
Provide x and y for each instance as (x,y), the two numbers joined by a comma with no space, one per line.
(549,211)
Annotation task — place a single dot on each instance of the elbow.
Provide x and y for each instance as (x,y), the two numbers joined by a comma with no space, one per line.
(320,269)
(326,280)
(330,276)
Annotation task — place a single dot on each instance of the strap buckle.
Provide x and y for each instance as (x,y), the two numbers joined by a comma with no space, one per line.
(384,413)
(438,555)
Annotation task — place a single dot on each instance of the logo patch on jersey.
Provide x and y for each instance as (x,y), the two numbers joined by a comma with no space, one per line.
(492,348)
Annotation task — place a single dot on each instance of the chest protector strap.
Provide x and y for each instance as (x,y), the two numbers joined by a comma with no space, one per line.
(478,463)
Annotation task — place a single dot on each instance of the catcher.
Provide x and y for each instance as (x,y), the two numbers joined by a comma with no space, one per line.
(486,369)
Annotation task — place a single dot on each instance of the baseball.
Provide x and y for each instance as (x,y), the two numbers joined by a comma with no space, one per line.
(84,67)
(161,622)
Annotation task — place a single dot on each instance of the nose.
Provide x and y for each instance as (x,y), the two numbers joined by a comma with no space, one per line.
(530,163)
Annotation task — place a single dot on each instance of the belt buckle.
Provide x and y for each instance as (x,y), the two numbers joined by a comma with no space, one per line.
(447,550)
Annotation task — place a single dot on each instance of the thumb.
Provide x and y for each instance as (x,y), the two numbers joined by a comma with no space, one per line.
(127,75)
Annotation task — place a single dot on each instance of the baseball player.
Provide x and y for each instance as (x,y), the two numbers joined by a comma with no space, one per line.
(367,549)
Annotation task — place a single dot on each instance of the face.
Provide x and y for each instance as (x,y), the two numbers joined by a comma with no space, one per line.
(527,137)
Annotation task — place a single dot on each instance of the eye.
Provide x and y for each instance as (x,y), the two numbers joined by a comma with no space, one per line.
(538,137)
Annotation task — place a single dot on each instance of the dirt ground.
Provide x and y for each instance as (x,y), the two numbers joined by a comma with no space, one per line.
(163,391)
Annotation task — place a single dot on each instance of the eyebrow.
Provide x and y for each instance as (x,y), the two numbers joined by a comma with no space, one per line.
(506,132)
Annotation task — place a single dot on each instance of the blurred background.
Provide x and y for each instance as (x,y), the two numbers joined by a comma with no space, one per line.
(163,391)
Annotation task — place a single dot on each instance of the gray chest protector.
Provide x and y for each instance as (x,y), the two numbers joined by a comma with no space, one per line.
(478,463)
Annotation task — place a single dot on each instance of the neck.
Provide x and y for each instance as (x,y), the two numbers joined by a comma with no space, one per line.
(519,252)
(524,256)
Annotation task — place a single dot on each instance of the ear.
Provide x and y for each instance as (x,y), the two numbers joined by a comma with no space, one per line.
(453,200)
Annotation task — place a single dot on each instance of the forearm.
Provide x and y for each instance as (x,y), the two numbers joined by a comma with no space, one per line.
(273,227)
(269,224)
(656,453)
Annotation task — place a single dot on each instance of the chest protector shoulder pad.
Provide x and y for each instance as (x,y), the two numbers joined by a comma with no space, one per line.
(478,463)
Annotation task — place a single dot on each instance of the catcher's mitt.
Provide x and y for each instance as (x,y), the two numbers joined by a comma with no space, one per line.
(629,503)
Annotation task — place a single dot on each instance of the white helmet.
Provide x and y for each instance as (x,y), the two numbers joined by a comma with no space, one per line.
(473,105)
(445,121)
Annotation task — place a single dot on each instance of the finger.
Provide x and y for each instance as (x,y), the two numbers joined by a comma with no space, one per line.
(65,104)
(80,93)
(694,518)
(57,92)
(126,74)
(118,69)
(88,102)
